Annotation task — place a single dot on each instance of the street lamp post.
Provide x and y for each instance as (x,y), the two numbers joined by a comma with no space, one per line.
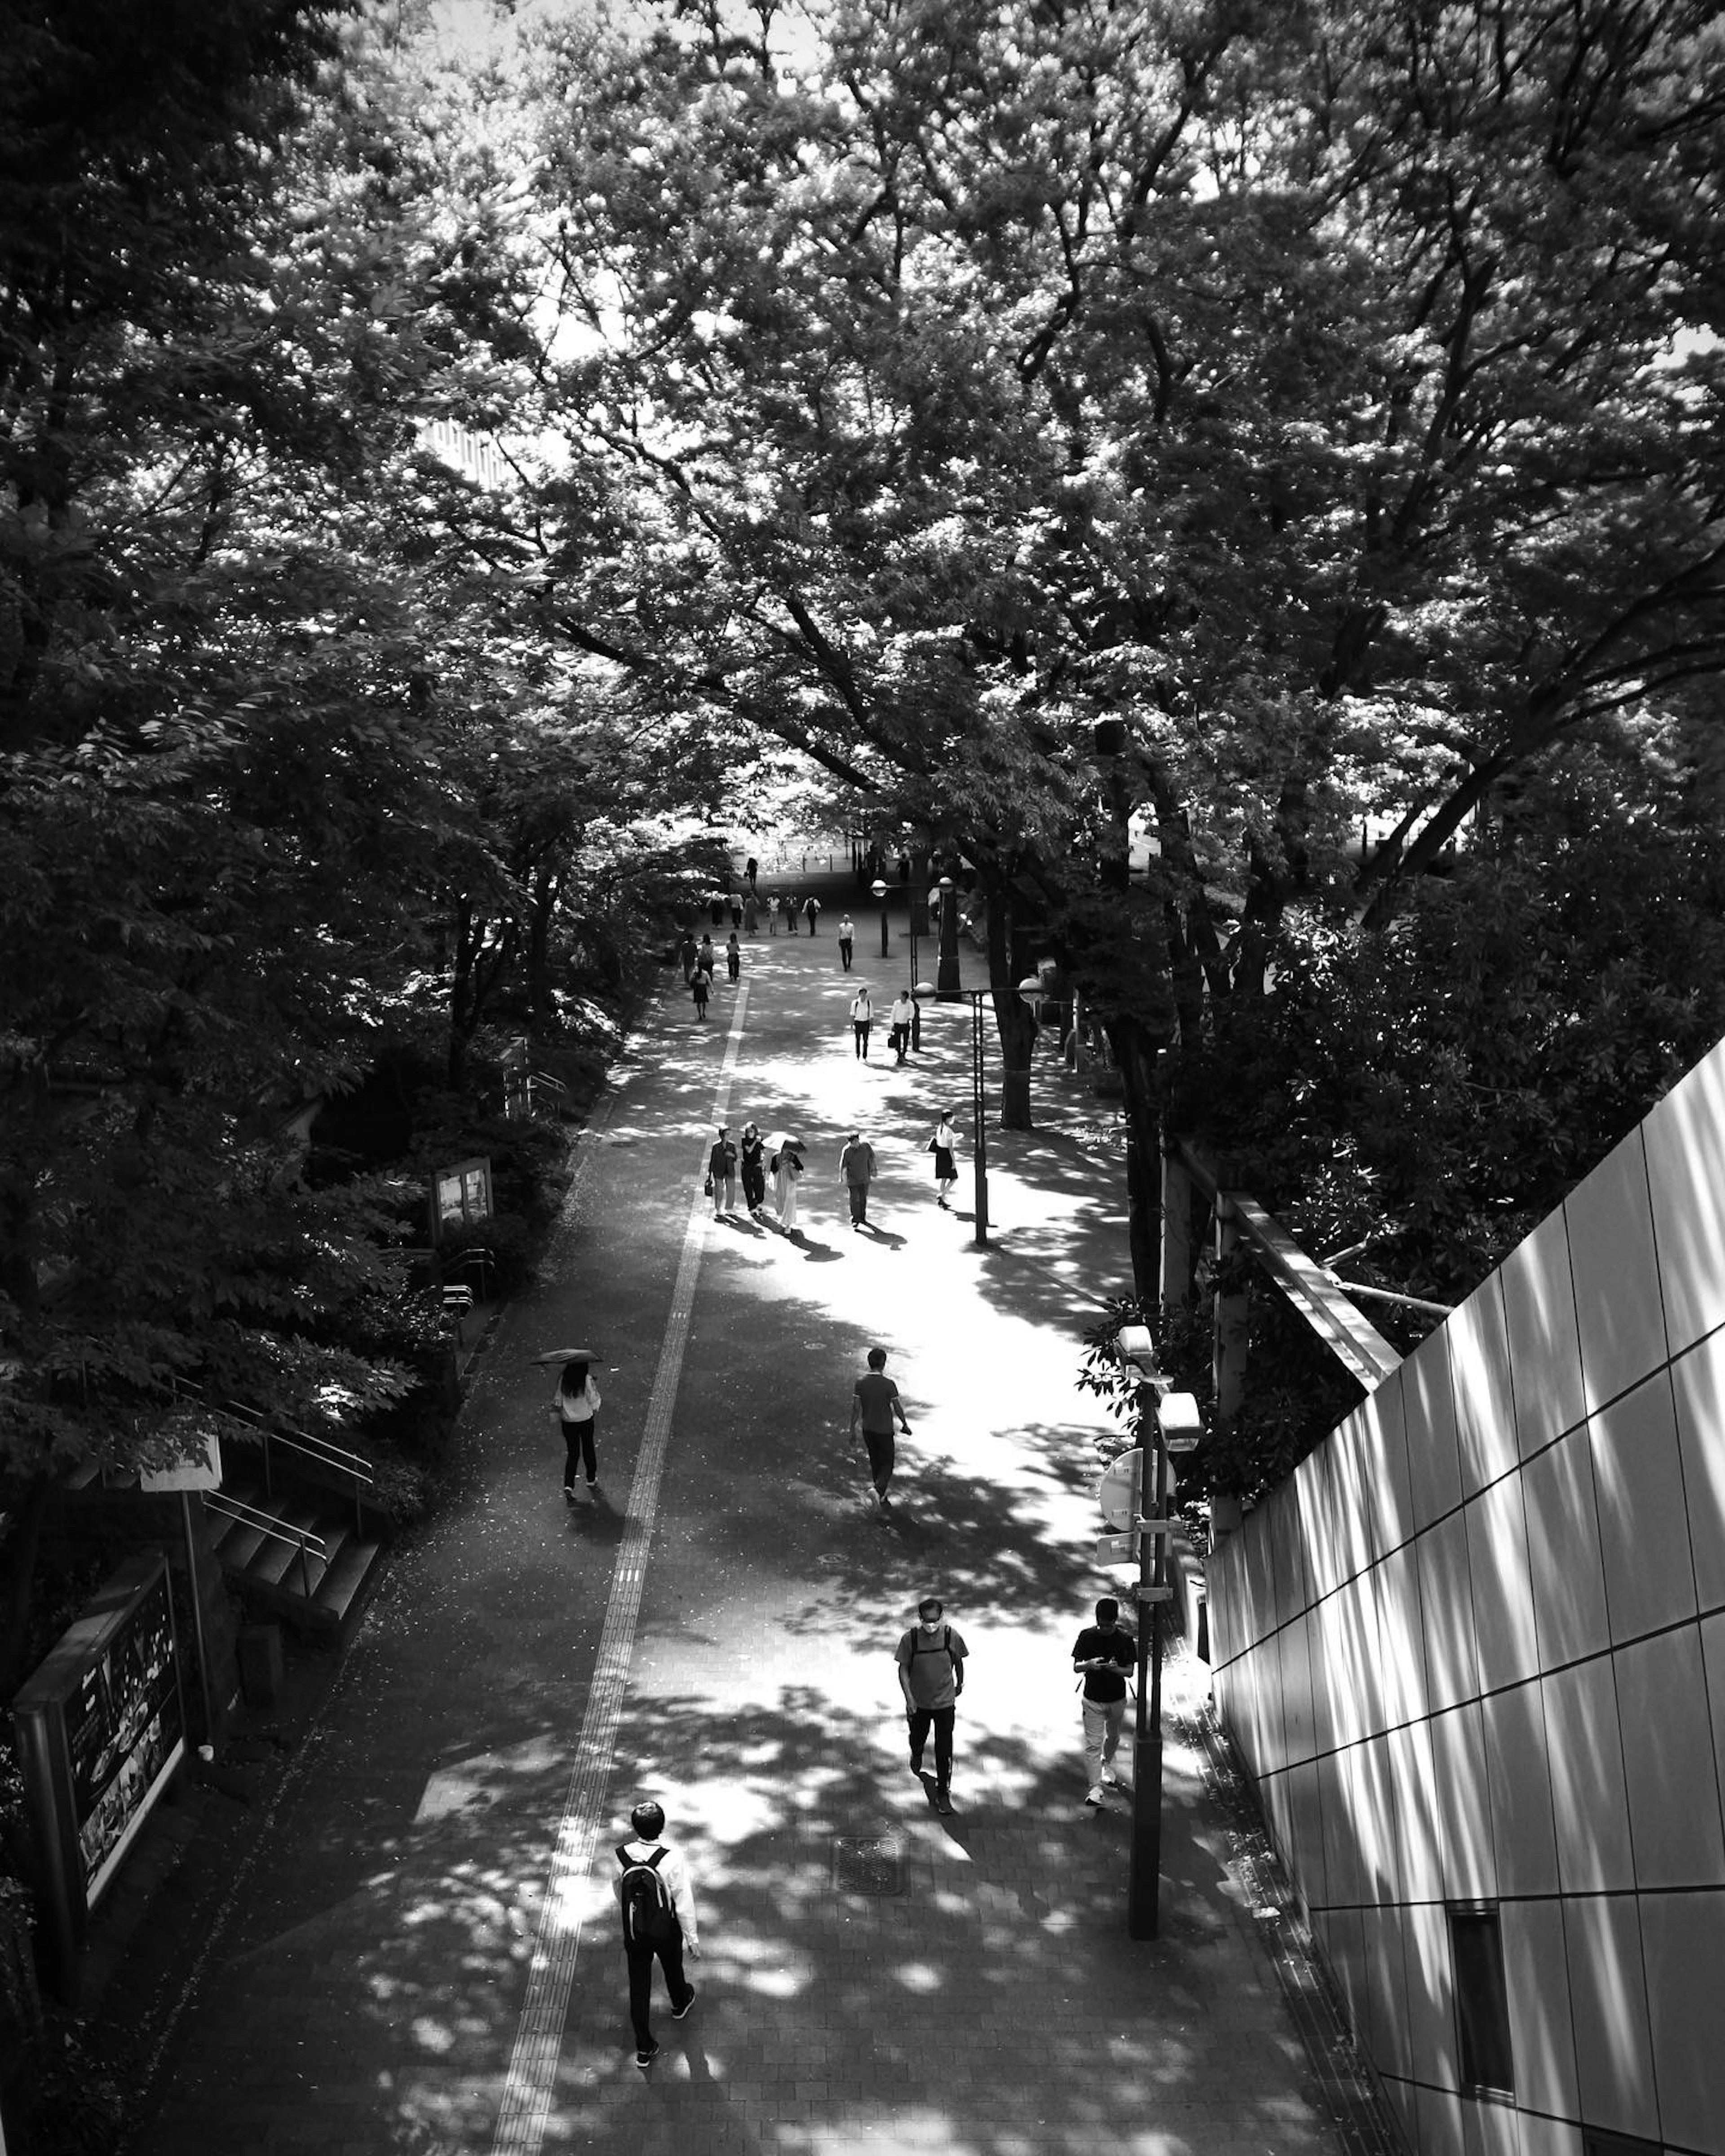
(879,888)
(917,988)
(979,1102)
(1169,1422)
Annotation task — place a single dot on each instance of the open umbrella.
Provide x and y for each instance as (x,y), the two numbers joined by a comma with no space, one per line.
(568,1355)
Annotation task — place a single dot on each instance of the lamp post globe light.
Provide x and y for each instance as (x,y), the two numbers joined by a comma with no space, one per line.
(879,888)
(978,1125)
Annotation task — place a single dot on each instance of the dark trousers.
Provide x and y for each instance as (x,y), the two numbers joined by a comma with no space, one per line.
(861,1031)
(845,952)
(859,1201)
(883,1452)
(578,1445)
(941,1718)
(641,1956)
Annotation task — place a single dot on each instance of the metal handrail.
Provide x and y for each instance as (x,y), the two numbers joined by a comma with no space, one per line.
(276,1528)
(299,1441)
(474,1254)
(319,1449)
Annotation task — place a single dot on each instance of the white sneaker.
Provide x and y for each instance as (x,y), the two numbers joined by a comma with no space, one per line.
(1111,1780)
(1096,1796)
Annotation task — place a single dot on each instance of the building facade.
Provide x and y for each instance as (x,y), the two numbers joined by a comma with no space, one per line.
(1473,1653)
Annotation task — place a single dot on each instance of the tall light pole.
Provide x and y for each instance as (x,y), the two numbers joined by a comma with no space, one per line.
(879,888)
(978,1103)
(916,988)
(1168,1423)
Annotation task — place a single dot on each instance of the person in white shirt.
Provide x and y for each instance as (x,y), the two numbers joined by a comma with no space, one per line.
(862,1017)
(902,1011)
(577,1401)
(942,1145)
(847,940)
(655,1925)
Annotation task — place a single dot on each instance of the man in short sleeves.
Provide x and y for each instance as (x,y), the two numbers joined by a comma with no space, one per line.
(875,1405)
(1103,1655)
(931,1675)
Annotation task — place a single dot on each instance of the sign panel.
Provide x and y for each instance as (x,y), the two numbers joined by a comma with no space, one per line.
(1116,1549)
(101,1730)
(205,1473)
(1117,1491)
(460,1196)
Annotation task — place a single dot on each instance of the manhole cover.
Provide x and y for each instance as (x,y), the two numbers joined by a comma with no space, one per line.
(868,1864)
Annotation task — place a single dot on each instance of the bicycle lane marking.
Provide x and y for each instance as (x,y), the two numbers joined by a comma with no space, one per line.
(530,2084)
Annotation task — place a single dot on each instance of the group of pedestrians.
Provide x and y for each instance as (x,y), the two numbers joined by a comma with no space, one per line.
(902,1023)
(755,1157)
(700,962)
(654,1890)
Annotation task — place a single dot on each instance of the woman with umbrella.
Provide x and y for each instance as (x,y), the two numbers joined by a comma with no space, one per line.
(786,1162)
(575,1404)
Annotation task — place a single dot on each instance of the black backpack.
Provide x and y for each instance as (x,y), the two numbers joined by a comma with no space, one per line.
(648,1915)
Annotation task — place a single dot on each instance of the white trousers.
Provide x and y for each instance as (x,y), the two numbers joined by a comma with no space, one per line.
(1103,1721)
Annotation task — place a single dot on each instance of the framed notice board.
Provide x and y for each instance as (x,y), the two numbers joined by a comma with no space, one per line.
(100,1729)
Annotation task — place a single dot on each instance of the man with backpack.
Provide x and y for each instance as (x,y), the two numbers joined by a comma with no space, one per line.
(657,1900)
(931,1675)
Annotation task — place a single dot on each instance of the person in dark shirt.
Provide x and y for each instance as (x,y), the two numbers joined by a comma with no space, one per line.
(1103,1655)
(874,1405)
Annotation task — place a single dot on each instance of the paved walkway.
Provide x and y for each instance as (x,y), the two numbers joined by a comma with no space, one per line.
(423,1957)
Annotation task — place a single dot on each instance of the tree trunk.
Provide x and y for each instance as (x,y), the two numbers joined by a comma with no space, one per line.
(1016,1026)
(461,1020)
(19,1547)
(547,893)
(1136,1051)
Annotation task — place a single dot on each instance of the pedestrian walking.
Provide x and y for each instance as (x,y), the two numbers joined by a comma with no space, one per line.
(942,1145)
(903,1010)
(735,910)
(721,1173)
(875,1404)
(733,959)
(856,1164)
(786,1169)
(687,954)
(706,957)
(811,910)
(790,913)
(772,905)
(655,1896)
(751,913)
(847,940)
(576,1402)
(754,1169)
(930,1660)
(1103,1654)
(751,870)
(862,1017)
(698,991)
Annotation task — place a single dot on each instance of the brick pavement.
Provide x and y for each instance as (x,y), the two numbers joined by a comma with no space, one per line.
(363,1993)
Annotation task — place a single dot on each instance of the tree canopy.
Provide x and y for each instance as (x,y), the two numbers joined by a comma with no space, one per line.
(1297,427)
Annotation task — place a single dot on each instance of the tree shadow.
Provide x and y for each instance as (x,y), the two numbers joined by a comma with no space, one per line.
(895,1995)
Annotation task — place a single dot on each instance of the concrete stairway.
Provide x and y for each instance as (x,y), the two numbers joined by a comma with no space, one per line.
(320,1585)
